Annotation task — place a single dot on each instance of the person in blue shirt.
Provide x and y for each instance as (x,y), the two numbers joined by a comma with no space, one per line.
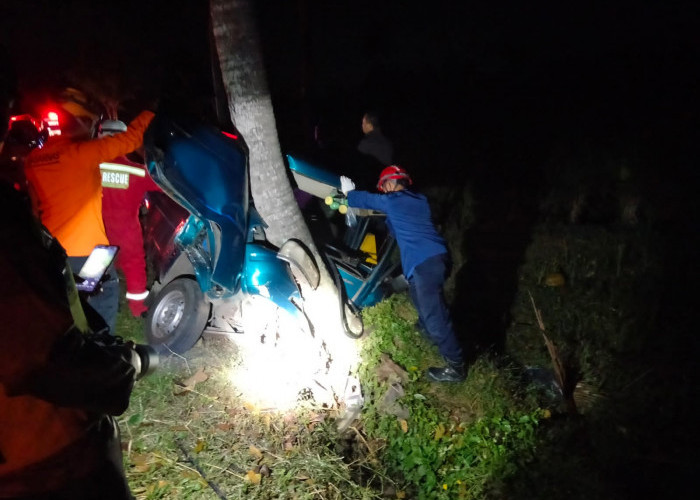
(424,259)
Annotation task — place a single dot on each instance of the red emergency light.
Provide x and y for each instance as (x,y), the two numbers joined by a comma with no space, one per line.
(52,122)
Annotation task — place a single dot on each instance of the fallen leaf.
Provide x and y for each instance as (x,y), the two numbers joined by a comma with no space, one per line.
(200,446)
(141,458)
(253,477)
(141,462)
(317,417)
(404,425)
(156,487)
(199,376)
(141,468)
(439,432)
(255,452)
(400,494)
(190,474)
(388,370)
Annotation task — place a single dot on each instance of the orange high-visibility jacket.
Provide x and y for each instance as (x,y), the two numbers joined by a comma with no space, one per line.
(66,186)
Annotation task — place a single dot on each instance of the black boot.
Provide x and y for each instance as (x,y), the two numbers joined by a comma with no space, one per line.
(453,372)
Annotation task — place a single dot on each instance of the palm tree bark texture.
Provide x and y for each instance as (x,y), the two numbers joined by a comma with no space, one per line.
(244,78)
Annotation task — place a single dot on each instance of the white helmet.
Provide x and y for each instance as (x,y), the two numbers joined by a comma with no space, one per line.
(110,127)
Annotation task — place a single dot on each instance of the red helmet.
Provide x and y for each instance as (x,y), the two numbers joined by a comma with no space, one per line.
(392,172)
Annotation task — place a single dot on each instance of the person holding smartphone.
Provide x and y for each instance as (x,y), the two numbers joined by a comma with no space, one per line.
(59,389)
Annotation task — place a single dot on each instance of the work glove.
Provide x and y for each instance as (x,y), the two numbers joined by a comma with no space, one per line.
(346,184)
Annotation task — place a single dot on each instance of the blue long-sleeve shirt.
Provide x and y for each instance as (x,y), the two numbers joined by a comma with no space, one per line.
(409,220)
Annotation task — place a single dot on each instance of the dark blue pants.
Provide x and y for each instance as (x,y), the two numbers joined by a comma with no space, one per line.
(427,295)
(106,301)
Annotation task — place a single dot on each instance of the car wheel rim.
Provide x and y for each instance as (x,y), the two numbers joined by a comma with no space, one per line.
(168,315)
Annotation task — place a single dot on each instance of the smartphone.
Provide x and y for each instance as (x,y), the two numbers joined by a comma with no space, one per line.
(95,266)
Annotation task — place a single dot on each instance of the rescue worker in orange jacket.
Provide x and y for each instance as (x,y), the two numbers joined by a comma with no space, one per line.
(124,185)
(66,187)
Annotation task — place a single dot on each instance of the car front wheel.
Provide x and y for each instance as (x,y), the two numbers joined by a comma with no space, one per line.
(177,317)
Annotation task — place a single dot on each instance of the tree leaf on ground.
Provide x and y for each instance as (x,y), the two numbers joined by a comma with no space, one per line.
(200,446)
(404,425)
(255,452)
(253,477)
(388,370)
(157,488)
(135,419)
(190,474)
(190,383)
(141,462)
(439,432)
(140,469)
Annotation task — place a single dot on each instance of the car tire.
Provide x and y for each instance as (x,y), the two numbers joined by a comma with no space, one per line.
(177,317)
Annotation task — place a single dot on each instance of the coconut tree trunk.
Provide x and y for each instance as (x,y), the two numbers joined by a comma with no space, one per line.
(243,74)
(245,81)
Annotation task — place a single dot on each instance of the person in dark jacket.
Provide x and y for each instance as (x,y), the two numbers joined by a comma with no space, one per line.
(375,143)
(424,259)
(60,388)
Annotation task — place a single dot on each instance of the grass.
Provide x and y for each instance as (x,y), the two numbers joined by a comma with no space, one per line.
(185,440)
(615,317)
(453,441)
(197,440)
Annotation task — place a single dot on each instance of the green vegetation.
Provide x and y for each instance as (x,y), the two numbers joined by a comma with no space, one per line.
(609,296)
(456,441)
(186,435)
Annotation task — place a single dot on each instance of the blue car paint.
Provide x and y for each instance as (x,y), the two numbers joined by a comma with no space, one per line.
(268,276)
(303,167)
(207,173)
(362,282)
(201,260)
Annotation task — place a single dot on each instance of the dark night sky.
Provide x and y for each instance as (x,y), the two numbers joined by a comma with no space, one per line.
(454,81)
